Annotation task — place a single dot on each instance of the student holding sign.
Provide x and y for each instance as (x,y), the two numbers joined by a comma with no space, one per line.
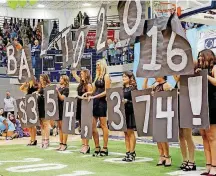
(63,91)
(45,124)
(187,145)
(84,86)
(163,147)
(29,88)
(206,60)
(129,84)
(101,83)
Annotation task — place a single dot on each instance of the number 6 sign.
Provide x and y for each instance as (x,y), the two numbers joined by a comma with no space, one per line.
(164,49)
(51,103)
(116,110)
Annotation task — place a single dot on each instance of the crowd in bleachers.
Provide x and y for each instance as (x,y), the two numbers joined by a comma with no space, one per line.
(20,32)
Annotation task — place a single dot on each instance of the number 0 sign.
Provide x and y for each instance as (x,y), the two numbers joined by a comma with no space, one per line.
(51,103)
(164,49)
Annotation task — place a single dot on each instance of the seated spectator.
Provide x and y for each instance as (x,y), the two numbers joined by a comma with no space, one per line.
(86,19)
(17,124)
(88,46)
(7,128)
(18,46)
(13,34)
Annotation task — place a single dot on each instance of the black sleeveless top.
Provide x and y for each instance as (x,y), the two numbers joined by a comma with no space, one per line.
(159,87)
(32,89)
(41,103)
(100,86)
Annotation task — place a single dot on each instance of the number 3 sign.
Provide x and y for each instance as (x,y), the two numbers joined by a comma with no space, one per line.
(164,49)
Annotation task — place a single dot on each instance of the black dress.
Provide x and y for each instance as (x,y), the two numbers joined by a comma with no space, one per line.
(100,104)
(129,112)
(41,103)
(80,91)
(212,102)
(63,91)
(159,87)
(31,90)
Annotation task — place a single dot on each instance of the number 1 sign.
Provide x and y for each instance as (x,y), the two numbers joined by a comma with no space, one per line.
(164,49)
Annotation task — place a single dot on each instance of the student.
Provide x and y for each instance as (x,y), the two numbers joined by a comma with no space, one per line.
(9,104)
(101,83)
(130,139)
(84,86)
(206,60)
(29,88)
(62,91)
(45,124)
(7,127)
(186,143)
(163,147)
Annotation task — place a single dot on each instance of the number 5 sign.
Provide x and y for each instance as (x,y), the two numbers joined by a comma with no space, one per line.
(51,103)
(116,110)
(164,49)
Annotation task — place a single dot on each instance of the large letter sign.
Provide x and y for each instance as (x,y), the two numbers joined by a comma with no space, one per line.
(69,115)
(51,103)
(86,119)
(80,45)
(116,110)
(12,64)
(194,108)
(164,49)
(132,18)
(101,35)
(165,116)
(67,49)
(143,111)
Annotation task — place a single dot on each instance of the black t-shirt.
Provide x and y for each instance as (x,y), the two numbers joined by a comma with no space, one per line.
(63,91)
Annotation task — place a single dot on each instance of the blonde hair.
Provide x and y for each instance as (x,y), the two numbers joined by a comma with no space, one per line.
(103,69)
(66,80)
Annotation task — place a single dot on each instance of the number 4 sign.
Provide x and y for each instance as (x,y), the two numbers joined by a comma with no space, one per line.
(69,115)
(164,49)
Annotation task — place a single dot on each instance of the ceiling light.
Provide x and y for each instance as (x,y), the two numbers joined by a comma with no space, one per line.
(86,4)
(40,6)
(3,1)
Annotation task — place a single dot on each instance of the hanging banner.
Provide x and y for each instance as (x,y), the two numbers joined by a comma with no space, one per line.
(132,18)
(194,107)
(51,103)
(165,116)
(32,110)
(101,37)
(86,119)
(69,115)
(143,111)
(45,28)
(164,49)
(67,49)
(116,109)
(22,112)
(80,45)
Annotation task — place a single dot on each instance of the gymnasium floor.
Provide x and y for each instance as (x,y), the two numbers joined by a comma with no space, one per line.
(18,160)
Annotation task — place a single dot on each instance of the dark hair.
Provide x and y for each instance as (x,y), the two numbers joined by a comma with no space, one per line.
(206,59)
(84,83)
(165,77)
(132,79)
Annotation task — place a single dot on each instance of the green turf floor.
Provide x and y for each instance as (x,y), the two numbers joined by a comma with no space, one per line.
(97,166)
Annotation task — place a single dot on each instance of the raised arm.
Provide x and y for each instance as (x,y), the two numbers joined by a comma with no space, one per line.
(24,87)
(145,83)
(77,78)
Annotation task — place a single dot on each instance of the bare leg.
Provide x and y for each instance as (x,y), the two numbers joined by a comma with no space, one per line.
(127,142)
(132,139)
(103,122)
